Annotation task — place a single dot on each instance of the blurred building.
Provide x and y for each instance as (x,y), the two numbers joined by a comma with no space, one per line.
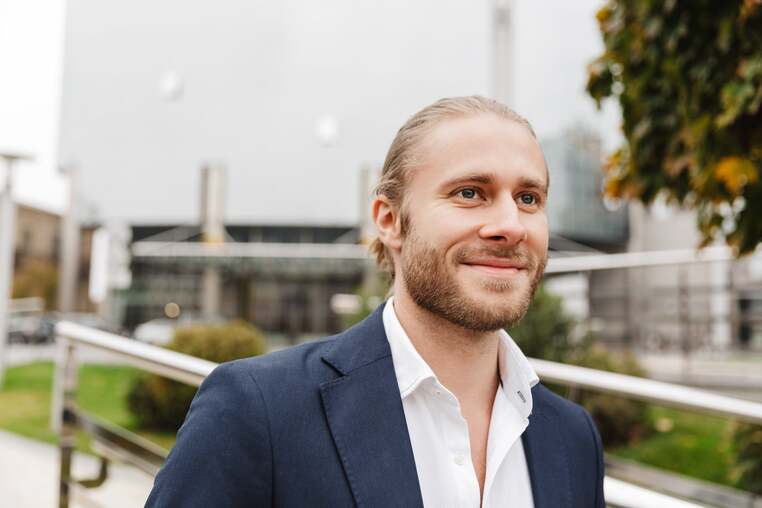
(576,210)
(281,295)
(294,97)
(37,235)
(37,253)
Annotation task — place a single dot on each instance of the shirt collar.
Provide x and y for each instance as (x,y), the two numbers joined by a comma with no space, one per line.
(516,373)
(410,368)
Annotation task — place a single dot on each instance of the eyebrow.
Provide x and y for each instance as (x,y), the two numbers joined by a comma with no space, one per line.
(489,179)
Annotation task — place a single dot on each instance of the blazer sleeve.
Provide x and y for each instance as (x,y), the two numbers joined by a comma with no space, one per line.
(600,501)
(223,455)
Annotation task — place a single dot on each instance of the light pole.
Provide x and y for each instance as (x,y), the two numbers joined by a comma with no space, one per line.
(7,244)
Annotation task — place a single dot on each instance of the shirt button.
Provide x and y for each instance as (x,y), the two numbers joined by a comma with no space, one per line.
(459,459)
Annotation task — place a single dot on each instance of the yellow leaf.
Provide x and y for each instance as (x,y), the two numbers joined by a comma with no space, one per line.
(735,173)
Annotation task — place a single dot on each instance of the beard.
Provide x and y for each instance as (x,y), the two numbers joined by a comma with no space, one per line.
(431,284)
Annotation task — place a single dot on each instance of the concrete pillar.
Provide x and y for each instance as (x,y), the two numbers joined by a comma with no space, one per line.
(7,251)
(68,264)
(7,244)
(213,233)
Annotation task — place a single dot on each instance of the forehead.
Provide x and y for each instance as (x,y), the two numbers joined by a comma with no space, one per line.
(476,144)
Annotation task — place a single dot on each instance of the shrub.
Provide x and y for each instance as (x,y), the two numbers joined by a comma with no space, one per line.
(160,403)
(619,420)
(546,331)
(747,467)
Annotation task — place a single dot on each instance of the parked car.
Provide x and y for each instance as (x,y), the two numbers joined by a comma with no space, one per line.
(44,330)
(156,331)
(160,331)
(23,328)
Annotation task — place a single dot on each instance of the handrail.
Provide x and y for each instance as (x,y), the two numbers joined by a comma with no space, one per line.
(177,366)
(191,370)
(657,392)
(620,494)
(641,259)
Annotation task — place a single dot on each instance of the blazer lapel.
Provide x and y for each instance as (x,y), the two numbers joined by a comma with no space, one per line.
(364,412)
(546,456)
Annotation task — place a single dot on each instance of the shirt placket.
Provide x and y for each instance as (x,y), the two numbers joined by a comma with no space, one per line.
(458,449)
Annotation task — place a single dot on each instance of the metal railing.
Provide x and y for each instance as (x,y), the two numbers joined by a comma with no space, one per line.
(655,392)
(112,443)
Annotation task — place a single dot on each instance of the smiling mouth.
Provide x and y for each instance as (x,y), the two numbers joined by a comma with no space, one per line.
(496,269)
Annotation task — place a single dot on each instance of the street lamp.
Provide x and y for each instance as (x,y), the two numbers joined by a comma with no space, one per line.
(7,243)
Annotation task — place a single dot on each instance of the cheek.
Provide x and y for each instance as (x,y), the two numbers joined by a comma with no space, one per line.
(538,234)
(446,225)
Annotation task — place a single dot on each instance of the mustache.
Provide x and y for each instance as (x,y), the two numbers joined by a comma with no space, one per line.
(515,254)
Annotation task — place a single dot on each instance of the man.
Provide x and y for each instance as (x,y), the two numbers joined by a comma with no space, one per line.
(428,402)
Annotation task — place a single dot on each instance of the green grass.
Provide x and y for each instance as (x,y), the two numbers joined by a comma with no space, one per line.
(26,396)
(697,445)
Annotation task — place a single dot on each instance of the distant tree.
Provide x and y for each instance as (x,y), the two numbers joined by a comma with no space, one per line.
(688,77)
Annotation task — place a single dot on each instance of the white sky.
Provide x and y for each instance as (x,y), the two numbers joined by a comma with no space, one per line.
(31,46)
(555,39)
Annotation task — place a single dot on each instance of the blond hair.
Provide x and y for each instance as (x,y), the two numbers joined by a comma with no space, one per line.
(401,155)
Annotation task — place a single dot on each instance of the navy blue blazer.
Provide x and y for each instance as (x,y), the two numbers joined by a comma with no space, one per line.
(322,425)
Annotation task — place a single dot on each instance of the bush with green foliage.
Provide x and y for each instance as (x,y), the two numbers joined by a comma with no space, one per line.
(620,420)
(747,469)
(546,331)
(160,403)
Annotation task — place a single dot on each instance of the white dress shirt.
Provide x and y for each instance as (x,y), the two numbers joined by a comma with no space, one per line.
(439,433)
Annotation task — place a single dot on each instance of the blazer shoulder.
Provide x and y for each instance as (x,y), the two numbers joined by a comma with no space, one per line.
(576,422)
(285,362)
(564,408)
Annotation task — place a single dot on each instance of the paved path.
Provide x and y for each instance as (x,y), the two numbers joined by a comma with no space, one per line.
(29,477)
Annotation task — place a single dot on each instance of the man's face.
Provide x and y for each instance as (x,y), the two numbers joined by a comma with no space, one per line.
(477,240)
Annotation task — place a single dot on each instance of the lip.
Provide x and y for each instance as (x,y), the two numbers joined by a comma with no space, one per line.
(496,266)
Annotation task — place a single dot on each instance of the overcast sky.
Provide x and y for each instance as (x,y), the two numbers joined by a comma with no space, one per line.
(555,39)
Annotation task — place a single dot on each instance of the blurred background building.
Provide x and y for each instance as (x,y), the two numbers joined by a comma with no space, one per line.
(293,99)
(297,103)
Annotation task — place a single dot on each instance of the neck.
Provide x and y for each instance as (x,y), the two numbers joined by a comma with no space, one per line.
(464,361)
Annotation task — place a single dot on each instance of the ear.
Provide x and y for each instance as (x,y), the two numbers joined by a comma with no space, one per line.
(386,218)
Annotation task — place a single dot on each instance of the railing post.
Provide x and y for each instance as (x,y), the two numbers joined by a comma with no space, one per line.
(66,392)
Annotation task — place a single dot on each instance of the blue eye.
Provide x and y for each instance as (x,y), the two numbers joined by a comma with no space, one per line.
(528,199)
(468,193)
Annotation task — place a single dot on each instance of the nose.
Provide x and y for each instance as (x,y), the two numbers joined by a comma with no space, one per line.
(503,222)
